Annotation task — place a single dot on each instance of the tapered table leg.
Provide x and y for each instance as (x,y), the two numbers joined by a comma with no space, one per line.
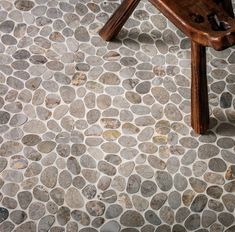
(199,91)
(118,19)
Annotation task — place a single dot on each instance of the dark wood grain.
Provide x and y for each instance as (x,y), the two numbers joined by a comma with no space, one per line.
(199,92)
(118,19)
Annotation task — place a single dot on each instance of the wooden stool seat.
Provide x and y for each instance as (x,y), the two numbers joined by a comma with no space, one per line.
(206,23)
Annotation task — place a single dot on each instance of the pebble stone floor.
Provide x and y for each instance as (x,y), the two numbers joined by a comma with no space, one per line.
(96,136)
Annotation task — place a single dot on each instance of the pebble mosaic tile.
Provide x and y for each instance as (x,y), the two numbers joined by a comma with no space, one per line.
(96,136)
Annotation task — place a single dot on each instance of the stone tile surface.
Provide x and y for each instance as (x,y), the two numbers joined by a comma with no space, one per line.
(96,136)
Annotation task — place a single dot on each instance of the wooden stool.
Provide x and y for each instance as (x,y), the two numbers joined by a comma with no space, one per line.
(206,23)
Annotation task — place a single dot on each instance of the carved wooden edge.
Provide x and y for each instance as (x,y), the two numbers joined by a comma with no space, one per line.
(219,40)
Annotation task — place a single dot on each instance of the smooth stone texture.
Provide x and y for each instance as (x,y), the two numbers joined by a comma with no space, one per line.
(112,226)
(46,222)
(158,201)
(95,208)
(36,210)
(49,177)
(192,222)
(133,184)
(132,218)
(164,180)
(199,203)
(63,215)
(4,214)
(80,217)
(167,214)
(152,218)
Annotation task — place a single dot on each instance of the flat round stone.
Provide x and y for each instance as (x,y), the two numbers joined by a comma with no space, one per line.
(73,198)
(46,146)
(4,214)
(77,109)
(226,219)
(41,193)
(46,222)
(228,200)
(106,168)
(3,164)
(152,218)
(214,178)
(14,176)
(192,222)
(145,171)
(132,218)
(63,215)
(72,226)
(198,185)
(111,226)
(199,203)
(81,217)
(4,117)
(140,203)
(95,208)
(148,188)
(7,226)
(158,201)
(113,211)
(34,126)
(180,182)
(181,214)
(36,210)
(199,168)
(24,199)
(217,165)
(133,184)
(65,178)
(81,34)
(49,177)
(18,216)
(7,26)
(174,199)
(104,182)
(17,162)
(33,169)
(226,129)
(89,191)
(109,196)
(229,187)
(125,169)
(187,197)
(164,180)
(167,215)
(10,189)
(207,151)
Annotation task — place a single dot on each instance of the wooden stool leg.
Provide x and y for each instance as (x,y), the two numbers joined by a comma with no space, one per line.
(199,92)
(118,19)
(228,7)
